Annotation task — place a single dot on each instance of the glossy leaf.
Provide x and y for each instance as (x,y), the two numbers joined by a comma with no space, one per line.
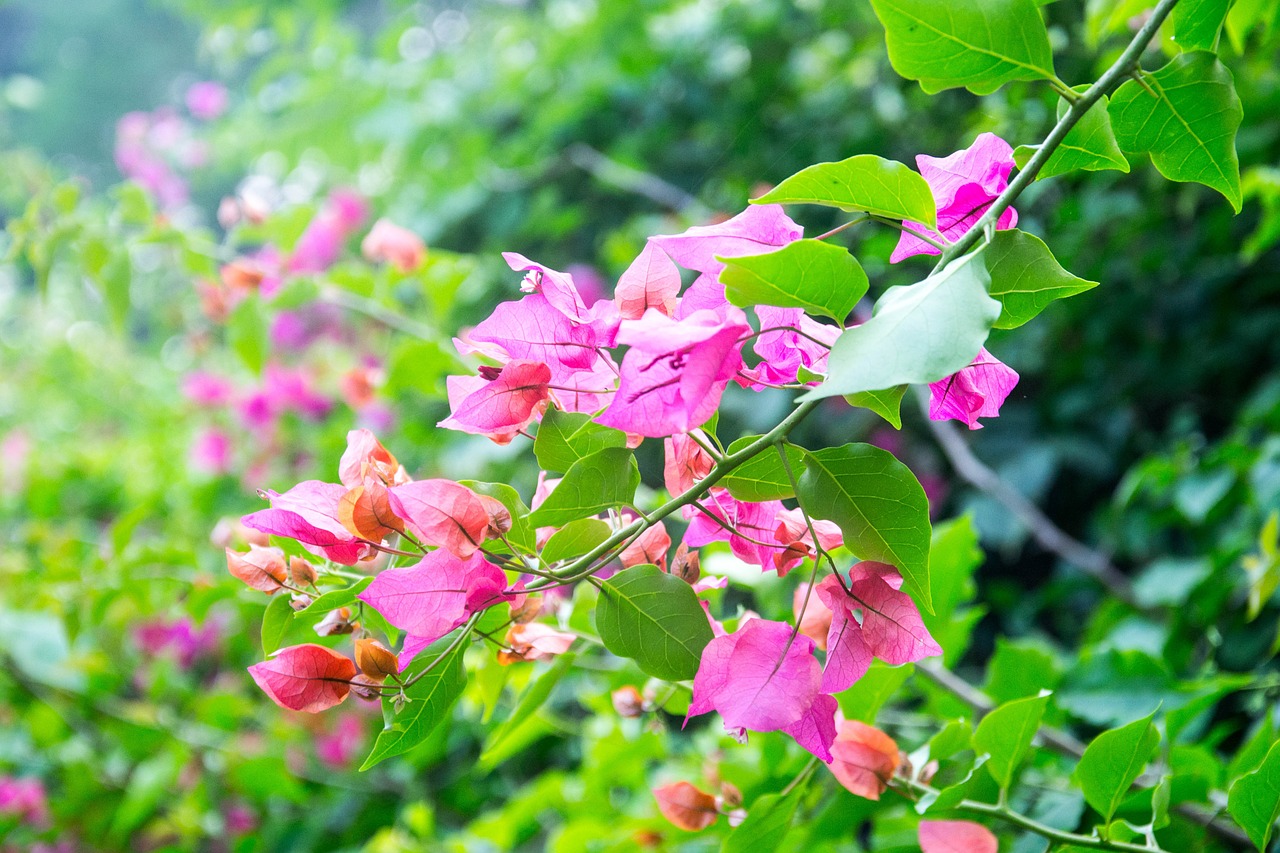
(763,477)
(431,697)
(887,403)
(575,539)
(1197,23)
(1089,146)
(862,182)
(1187,123)
(916,334)
(979,44)
(1113,761)
(533,698)
(604,479)
(277,619)
(768,821)
(1005,734)
(1254,800)
(565,437)
(655,619)
(821,278)
(878,504)
(1026,278)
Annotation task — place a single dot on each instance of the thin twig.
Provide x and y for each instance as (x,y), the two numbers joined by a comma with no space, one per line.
(1050,537)
(610,171)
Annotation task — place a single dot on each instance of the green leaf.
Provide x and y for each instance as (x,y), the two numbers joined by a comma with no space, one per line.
(869,694)
(114,281)
(1113,761)
(762,477)
(1188,125)
(1025,277)
(655,619)
(1254,800)
(1252,752)
(980,44)
(916,334)
(1005,734)
(821,278)
(276,621)
(878,504)
(1089,146)
(604,479)
(767,824)
(1021,667)
(334,599)
(247,333)
(575,539)
(886,403)
(1197,23)
(951,795)
(431,697)
(864,182)
(566,437)
(533,698)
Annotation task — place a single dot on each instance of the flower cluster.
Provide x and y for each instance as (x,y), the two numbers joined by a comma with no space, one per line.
(653,362)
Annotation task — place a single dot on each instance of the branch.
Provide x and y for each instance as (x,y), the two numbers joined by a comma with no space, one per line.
(1049,536)
(1066,744)
(1120,69)
(1058,836)
(583,566)
(610,171)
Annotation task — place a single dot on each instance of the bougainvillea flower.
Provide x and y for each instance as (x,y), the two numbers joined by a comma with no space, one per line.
(756,230)
(749,527)
(309,513)
(24,799)
(785,344)
(366,457)
(532,641)
(686,807)
(652,281)
(762,678)
(865,759)
(389,243)
(506,402)
(365,510)
(442,512)
(685,462)
(321,243)
(206,100)
(211,452)
(976,391)
(964,185)
(792,533)
(650,547)
(263,569)
(814,616)
(306,678)
(338,748)
(207,389)
(562,295)
(435,595)
(891,627)
(582,372)
(956,836)
(675,371)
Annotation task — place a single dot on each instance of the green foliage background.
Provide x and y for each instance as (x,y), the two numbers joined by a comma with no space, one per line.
(1146,423)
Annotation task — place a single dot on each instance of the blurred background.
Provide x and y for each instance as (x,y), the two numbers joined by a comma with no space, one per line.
(172,340)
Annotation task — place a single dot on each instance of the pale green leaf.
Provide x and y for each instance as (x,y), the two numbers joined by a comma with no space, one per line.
(917,334)
(604,479)
(1254,800)
(1113,761)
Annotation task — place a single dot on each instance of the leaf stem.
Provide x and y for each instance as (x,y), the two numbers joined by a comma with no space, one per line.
(1125,65)
(575,570)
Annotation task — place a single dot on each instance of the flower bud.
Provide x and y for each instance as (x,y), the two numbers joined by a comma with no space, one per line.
(301,572)
(336,622)
(627,701)
(376,660)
